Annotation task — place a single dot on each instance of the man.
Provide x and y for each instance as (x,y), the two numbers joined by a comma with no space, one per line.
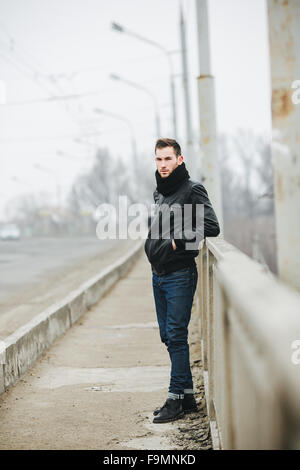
(174,271)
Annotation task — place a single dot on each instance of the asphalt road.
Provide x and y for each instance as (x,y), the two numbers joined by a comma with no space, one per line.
(38,272)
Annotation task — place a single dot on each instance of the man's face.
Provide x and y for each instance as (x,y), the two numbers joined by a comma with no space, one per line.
(166,161)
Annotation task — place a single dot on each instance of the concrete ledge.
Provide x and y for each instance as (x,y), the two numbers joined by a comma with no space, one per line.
(214,435)
(20,350)
(212,423)
(2,388)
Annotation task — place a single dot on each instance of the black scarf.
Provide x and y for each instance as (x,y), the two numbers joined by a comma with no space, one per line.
(170,184)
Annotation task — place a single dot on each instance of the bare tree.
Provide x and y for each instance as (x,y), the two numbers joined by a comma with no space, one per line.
(247,182)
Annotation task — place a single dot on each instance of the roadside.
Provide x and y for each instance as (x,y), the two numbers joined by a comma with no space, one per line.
(98,384)
(25,303)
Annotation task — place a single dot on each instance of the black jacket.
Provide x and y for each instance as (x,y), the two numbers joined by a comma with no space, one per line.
(159,250)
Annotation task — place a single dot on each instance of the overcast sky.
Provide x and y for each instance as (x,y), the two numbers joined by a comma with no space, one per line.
(51,48)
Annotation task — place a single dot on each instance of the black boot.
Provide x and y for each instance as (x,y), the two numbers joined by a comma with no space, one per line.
(189,404)
(170,411)
(157,410)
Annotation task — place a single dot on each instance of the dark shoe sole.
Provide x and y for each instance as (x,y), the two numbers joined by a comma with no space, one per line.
(190,410)
(180,415)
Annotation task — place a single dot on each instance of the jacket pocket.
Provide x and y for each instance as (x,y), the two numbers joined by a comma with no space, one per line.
(158,250)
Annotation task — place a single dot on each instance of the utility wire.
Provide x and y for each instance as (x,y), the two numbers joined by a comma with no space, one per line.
(35,74)
(53,98)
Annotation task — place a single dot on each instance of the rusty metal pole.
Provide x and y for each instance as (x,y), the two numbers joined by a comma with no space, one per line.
(190,151)
(207,112)
(186,88)
(284,37)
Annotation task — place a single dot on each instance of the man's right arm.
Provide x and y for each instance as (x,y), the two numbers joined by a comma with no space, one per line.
(209,219)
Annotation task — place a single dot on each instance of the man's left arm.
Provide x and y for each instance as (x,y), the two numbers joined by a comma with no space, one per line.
(208,219)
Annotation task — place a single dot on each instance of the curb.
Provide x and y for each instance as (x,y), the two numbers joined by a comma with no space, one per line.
(21,349)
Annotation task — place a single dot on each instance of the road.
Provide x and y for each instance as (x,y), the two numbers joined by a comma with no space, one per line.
(38,272)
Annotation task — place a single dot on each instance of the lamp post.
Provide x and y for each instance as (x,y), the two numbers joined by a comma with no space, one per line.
(284,40)
(61,153)
(207,113)
(185,80)
(149,93)
(121,29)
(18,180)
(79,140)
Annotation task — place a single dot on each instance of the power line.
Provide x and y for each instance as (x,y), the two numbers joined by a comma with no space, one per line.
(70,96)
(53,98)
(14,140)
(58,137)
(21,69)
(110,65)
(35,74)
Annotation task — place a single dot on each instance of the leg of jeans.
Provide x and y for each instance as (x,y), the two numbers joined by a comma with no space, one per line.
(189,378)
(188,382)
(177,354)
(161,307)
(179,288)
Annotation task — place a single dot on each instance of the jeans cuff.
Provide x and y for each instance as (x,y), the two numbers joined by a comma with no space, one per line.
(175,396)
(188,391)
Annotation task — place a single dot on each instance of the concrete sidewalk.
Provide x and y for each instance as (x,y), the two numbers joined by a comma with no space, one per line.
(97,386)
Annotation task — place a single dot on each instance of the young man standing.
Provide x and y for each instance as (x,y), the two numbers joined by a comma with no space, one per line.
(174,271)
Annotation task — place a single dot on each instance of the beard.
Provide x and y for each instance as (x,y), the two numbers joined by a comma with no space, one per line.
(169,171)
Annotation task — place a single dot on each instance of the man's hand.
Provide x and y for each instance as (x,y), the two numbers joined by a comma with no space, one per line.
(174,245)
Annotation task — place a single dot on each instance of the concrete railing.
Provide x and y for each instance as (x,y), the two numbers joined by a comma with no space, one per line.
(249,326)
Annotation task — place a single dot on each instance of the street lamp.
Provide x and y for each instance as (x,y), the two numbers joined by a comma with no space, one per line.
(18,180)
(61,153)
(79,140)
(121,29)
(149,93)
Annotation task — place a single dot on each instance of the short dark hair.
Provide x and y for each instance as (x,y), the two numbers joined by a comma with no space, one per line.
(165,142)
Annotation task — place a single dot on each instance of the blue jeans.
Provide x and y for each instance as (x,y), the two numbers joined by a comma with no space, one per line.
(173,296)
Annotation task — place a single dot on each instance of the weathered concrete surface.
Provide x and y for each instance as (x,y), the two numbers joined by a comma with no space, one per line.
(54,269)
(20,350)
(97,386)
